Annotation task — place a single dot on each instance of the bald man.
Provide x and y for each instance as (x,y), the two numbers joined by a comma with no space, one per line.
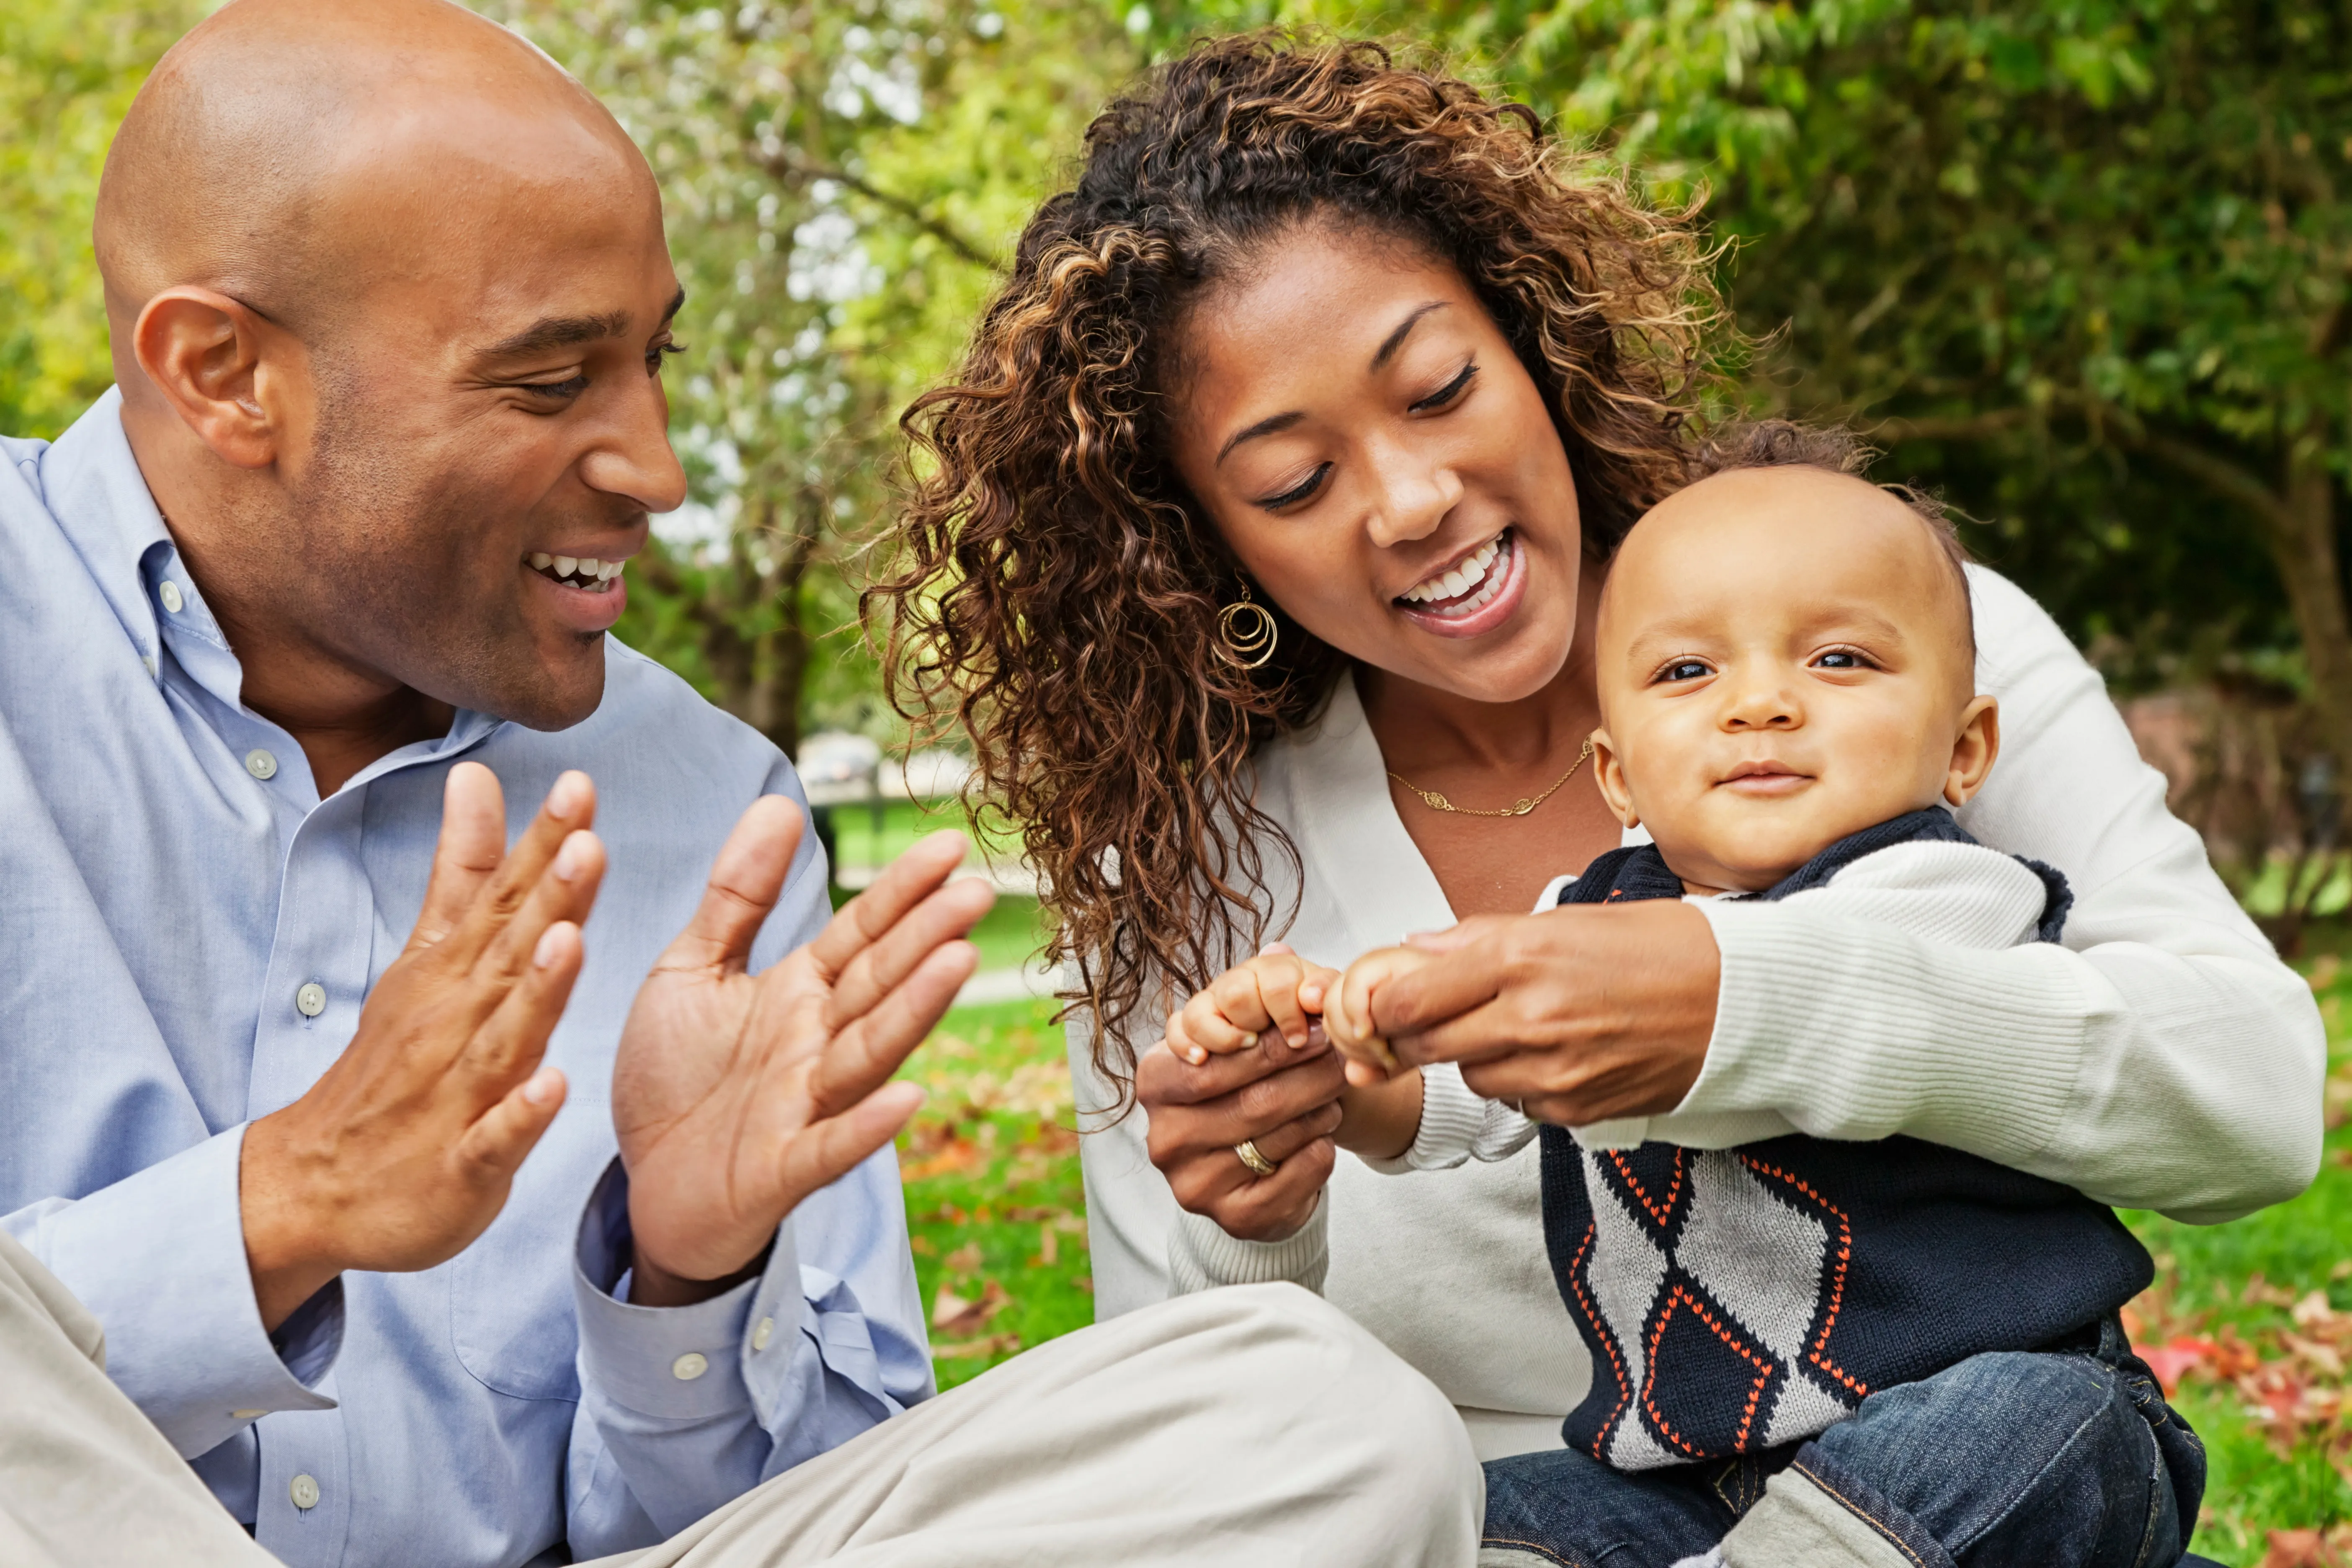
(429,1219)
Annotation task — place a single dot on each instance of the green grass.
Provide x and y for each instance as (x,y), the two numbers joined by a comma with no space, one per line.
(991,1170)
(857,843)
(994,1202)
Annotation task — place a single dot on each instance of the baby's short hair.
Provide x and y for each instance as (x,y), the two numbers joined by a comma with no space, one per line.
(1785,443)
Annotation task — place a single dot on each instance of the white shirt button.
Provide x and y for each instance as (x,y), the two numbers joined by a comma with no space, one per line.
(247,1414)
(312,1000)
(764,1333)
(170,593)
(304,1491)
(690,1366)
(260,764)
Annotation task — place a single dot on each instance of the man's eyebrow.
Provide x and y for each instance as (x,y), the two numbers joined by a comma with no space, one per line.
(559,333)
(1395,340)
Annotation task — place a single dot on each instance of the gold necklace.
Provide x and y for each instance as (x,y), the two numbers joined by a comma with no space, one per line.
(1436,802)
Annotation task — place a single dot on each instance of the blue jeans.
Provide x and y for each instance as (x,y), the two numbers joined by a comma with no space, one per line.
(2058,1460)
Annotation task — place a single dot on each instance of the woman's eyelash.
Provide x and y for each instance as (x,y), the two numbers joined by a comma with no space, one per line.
(1450,391)
(1297,492)
(661,351)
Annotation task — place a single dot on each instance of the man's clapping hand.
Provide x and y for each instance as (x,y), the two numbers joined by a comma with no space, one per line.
(736,1096)
(403,1150)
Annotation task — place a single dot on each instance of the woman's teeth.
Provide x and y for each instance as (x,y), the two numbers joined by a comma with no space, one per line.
(578,571)
(1478,578)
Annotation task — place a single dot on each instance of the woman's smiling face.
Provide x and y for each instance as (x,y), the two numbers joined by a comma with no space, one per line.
(1381,462)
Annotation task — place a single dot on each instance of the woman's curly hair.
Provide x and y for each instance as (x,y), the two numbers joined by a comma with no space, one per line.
(1056,591)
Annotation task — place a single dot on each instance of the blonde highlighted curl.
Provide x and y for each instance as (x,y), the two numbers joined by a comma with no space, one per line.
(1054,592)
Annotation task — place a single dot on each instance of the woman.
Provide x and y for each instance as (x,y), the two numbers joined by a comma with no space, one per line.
(1255,548)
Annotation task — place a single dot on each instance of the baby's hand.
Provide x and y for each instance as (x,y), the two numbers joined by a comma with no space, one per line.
(1348,1012)
(1276,990)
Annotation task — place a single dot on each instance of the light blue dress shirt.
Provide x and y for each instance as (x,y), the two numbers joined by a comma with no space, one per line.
(187,933)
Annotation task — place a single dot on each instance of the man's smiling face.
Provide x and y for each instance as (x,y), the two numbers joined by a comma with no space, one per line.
(489,409)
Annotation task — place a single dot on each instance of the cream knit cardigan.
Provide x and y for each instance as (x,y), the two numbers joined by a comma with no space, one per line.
(2163,1057)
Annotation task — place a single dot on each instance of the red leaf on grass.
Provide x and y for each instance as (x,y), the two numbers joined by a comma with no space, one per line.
(2173,1359)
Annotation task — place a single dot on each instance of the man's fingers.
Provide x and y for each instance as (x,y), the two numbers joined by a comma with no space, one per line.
(871,1048)
(473,840)
(506,1132)
(831,1149)
(570,808)
(745,882)
(566,892)
(909,879)
(884,963)
(510,1041)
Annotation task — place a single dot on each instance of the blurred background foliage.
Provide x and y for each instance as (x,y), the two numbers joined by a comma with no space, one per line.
(2081,265)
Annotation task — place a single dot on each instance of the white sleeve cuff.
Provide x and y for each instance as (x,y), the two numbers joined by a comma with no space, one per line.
(1457,1124)
(1202,1257)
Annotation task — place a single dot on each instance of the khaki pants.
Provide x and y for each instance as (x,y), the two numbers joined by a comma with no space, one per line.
(1254,1425)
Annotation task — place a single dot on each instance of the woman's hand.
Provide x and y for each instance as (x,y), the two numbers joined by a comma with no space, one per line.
(1578,1015)
(1282,1097)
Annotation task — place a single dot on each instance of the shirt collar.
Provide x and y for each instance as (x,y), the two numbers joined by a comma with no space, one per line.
(93,488)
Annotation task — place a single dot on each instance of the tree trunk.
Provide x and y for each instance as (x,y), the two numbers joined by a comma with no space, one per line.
(2302,536)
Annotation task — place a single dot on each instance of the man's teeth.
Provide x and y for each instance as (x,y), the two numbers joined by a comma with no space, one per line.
(1461,579)
(582,570)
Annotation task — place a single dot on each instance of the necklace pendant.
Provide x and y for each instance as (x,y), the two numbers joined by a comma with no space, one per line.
(1523,807)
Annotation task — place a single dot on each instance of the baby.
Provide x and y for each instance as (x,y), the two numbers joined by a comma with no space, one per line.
(1785,666)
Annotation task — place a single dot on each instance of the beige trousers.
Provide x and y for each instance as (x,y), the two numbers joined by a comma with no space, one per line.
(1253,1425)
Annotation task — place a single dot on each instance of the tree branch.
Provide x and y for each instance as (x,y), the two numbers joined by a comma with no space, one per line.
(787,169)
(1956,427)
(2229,481)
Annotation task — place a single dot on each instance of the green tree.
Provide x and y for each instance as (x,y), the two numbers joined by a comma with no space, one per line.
(841,182)
(67,73)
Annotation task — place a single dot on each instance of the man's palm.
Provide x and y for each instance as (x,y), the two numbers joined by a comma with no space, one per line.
(736,1096)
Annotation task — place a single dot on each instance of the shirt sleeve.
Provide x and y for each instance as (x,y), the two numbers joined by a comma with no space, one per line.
(2163,1057)
(685,1408)
(159,1258)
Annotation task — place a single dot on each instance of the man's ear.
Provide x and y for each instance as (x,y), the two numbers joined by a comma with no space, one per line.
(1973,752)
(1610,775)
(220,365)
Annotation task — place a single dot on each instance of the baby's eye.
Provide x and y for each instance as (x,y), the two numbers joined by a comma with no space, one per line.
(1841,659)
(1684,670)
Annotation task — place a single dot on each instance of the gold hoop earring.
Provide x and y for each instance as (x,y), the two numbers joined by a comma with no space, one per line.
(1246,630)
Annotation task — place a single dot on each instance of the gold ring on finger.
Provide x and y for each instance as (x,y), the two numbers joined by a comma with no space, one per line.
(1246,1150)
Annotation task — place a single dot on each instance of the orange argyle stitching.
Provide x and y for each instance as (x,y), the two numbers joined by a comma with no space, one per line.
(1837,1283)
(1602,1332)
(1764,1370)
(1656,1211)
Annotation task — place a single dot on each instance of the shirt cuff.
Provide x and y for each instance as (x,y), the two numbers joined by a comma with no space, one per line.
(1451,1120)
(671,1363)
(1202,1257)
(159,1258)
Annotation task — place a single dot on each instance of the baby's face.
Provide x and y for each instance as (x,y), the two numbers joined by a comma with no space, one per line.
(1783,659)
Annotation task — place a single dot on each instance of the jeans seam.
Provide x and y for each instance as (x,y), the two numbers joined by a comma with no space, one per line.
(1859,1512)
(1957,1547)
(1535,1546)
(2158,1483)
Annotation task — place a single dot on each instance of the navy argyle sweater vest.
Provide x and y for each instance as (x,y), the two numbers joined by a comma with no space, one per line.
(1736,1300)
